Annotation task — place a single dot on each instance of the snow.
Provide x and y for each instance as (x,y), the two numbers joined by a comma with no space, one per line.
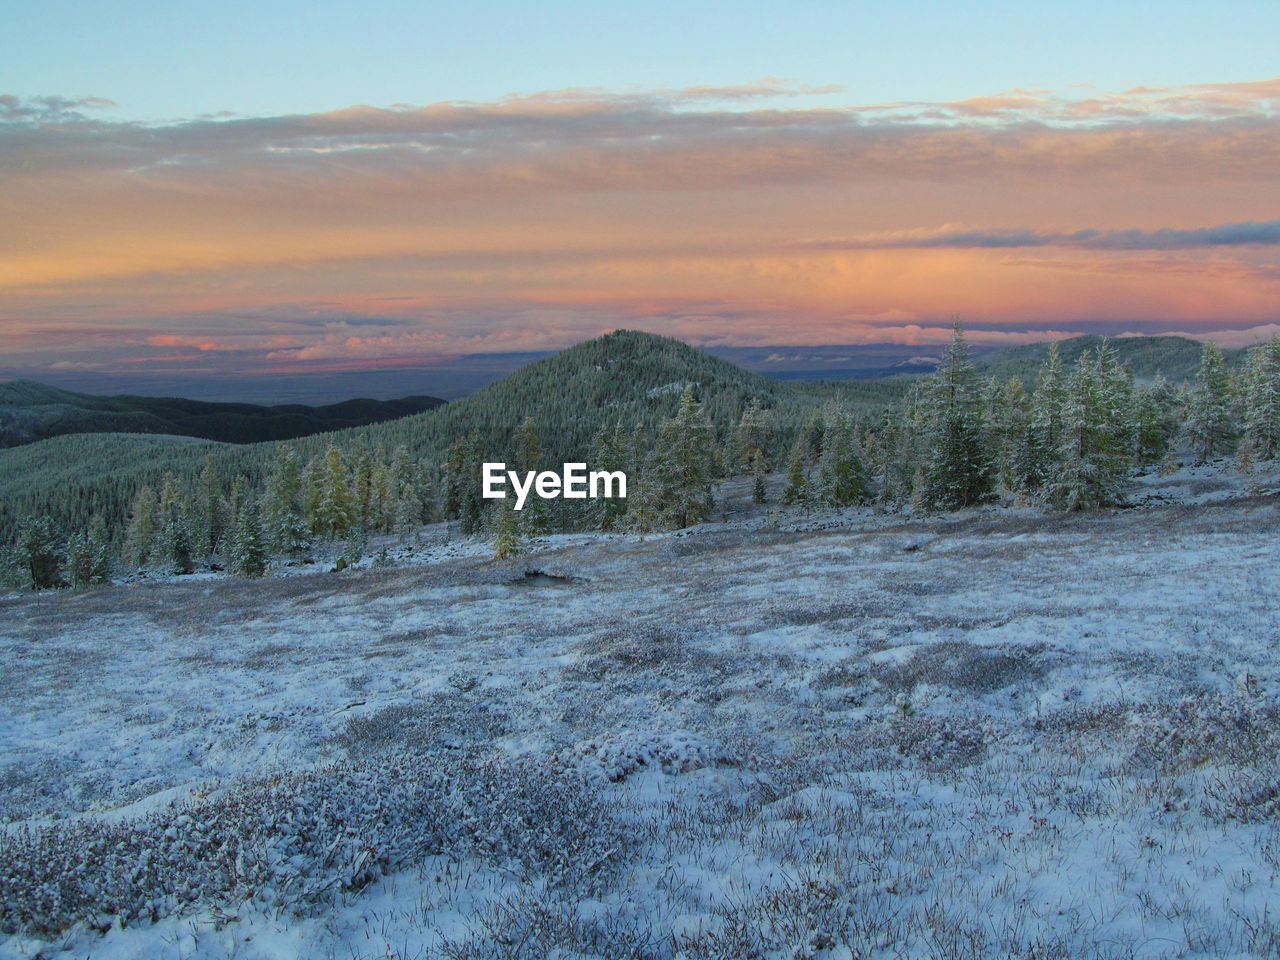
(833,735)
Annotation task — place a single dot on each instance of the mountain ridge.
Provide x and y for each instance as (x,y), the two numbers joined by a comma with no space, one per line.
(31,411)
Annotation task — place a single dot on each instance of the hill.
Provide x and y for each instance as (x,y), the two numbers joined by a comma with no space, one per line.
(1178,358)
(31,411)
(625,377)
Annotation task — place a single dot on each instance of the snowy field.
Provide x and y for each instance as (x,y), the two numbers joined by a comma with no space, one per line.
(989,734)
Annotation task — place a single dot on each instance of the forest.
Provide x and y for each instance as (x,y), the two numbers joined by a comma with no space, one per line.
(1065,433)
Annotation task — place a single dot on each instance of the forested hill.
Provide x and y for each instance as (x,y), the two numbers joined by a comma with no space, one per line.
(31,411)
(1177,358)
(628,378)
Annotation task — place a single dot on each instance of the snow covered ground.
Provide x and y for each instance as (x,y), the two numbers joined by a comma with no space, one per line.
(989,734)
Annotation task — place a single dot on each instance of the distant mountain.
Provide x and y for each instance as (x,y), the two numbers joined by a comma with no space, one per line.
(1178,358)
(31,411)
(862,361)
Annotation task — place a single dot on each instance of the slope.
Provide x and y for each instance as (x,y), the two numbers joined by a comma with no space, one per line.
(1178,358)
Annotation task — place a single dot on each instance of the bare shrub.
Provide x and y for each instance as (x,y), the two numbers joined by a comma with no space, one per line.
(295,840)
(940,742)
(962,666)
(438,720)
(1215,729)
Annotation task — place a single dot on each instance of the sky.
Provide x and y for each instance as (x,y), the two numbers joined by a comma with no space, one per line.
(282,187)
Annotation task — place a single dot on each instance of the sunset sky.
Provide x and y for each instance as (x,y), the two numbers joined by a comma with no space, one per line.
(288,186)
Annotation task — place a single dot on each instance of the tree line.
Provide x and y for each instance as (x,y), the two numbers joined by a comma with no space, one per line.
(1071,438)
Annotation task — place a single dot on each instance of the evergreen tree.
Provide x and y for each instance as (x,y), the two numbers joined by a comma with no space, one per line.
(208,521)
(39,553)
(1038,462)
(957,470)
(535,517)
(358,473)
(247,552)
(286,531)
(751,443)
(682,467)
(1094,451)
(335,508)
(173,552)
(798,490)
(381,499)
(902,451)
(759,473)
(612,450)
(405,486)
(1007,420)
(508,542)
(88,562)
(751,440)
(1150,431)
(1261,381)
(1210,425)
(141,536)
(463,500)
(841,479)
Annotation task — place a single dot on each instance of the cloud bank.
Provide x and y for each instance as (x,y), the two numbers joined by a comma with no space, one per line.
(719,213)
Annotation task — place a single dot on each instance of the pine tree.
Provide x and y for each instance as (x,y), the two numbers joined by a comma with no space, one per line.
(1038,462)
(535,518)
(208,519)
(798,491)
(682,467)
(957,470)
(508,542)
(759,473)
(902,452)
(285,528)
(1007,420)
(88,562)
(612,450)
(141,535)
(1094,453)
(381,499)
(335,508)
(1150,443)
(247,552)
(357,472)
(1262,400)
(463,500)
(40,554)
(406,510)
(841,479)
(751,440)
(1210,426)
(173,552)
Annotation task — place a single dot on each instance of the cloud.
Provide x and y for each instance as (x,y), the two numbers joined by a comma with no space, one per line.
(1245,233)
(47,110)
(1212,268)
(75,365)
(537,219)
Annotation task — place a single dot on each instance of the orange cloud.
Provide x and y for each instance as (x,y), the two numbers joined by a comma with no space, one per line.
(535,220)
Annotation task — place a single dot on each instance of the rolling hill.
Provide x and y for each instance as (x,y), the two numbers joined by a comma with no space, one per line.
(1178,358)
(31,411)
(624,377)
